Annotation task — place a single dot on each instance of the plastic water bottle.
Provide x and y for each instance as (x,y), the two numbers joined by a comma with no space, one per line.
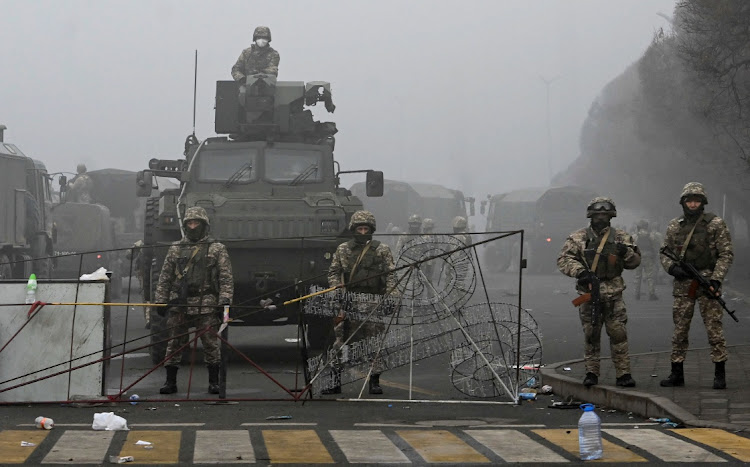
(590,434)
(31,289)
(44,423)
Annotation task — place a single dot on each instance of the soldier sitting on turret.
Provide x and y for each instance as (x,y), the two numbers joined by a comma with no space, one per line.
(260,57)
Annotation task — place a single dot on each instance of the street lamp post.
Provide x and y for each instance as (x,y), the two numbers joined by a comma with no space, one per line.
(548,83)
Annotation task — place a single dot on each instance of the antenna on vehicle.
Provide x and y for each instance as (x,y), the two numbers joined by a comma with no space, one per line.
(195,86)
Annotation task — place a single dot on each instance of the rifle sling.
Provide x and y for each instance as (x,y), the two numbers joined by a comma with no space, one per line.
(687,240)
(181,274)
(359,259)
(599,251)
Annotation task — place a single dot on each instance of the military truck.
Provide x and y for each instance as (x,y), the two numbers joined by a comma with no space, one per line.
(547,216)
(402,199)
(271,190)
(26,233)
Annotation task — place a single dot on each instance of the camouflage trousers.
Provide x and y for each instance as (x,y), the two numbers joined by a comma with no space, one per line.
(646,269)
(614,318)
(179,323)
(682,315)
(367,337)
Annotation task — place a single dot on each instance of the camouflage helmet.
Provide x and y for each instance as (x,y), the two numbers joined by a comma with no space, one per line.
(460,222)
(262,31)
(601,205)
(415,219)
(196,213)
(428,224)
(81,168)
(362,218)
(694,189)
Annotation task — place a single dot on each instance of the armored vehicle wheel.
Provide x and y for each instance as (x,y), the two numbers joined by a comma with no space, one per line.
(41,267)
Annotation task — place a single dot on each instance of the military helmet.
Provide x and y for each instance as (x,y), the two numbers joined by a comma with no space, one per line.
(81,168)
(642,224)
(459,222)
(262,31)
(415,219)
(362,218)
(694,189)
(428,223)
(601,205)
(196,213)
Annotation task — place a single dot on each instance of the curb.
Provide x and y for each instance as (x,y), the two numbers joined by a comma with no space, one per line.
(627,400)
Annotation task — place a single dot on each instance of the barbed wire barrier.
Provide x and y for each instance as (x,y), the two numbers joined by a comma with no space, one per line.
(493,347)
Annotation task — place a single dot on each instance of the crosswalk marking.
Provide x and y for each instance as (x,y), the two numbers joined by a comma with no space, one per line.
(368,446)
(166,447)
(734,445)
(441,446)
(80,447)
(10,444)
(665,447)
(295,446)
(568,440)
(223,447)
(514,446)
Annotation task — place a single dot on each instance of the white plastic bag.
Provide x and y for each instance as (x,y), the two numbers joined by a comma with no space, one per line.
(109,421)
(97,275)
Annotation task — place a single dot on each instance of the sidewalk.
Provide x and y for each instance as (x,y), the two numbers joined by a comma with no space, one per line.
(695,404)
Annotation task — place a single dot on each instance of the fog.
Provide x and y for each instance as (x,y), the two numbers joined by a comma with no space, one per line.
(425,90)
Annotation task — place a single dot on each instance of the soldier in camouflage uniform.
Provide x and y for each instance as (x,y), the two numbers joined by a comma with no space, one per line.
(79,188)
(459,230)
(648,246)
(701,239)
(579,259)
(260,57)
(414,229)
(196,272)
(363,265)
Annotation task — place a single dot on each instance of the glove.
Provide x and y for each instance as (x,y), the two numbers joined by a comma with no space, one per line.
(677,272)
(622,249)
(585,279)
(716,285)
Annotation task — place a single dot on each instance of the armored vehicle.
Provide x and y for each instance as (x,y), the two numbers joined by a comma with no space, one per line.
(271,190)
(547,215)
(26,231)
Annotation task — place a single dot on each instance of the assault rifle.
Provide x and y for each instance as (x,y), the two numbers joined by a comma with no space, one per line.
(698,279)
(593,297)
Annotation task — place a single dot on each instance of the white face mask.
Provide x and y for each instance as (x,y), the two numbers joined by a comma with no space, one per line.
(261,42)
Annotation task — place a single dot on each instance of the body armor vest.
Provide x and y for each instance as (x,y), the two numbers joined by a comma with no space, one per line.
(646,243)
(698,252)
(610,265)
(197,277)
(368,277)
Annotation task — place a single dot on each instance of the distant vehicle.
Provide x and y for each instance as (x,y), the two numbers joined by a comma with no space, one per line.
(26,230)
(271,190)
(402,199)
(547,216)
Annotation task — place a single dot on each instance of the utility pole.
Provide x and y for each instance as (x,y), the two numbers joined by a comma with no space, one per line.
(548,83)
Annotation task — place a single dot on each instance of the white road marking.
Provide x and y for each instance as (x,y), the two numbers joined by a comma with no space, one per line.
(665,447)
(80,447)
(368,447)
(223,447)
(514,446)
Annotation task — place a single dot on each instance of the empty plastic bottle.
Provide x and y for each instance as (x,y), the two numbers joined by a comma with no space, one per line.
(43,422)
(589,434)
(31,289)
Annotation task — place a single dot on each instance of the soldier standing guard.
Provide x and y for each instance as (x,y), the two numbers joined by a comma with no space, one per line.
(414,228)
(459,230)
(196,272)
(601,252)
(647,244)
(260,57)
(703,240)
(79,188)
(362,265)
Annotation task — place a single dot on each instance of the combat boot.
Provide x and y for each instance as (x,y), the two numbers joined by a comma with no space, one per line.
(375,384)
(626,381)
(675,378)
(170,386)
(720,381)
(336,379)
(590,380)
(213,379)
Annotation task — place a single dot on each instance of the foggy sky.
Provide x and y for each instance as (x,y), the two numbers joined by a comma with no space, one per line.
(438,91)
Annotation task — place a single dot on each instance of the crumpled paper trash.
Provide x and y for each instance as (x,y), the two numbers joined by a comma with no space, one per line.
(108,421)
(97,275)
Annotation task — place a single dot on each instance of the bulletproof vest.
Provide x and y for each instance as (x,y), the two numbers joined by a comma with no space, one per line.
(698,252)
(610,264)
(367,277)
(645,242)
(196,275)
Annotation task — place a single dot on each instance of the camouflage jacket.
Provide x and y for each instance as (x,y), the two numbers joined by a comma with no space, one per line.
(254,60)
(570,262)
(212,266)
(648,242)
(381,265)
(79,189)
(719,244)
